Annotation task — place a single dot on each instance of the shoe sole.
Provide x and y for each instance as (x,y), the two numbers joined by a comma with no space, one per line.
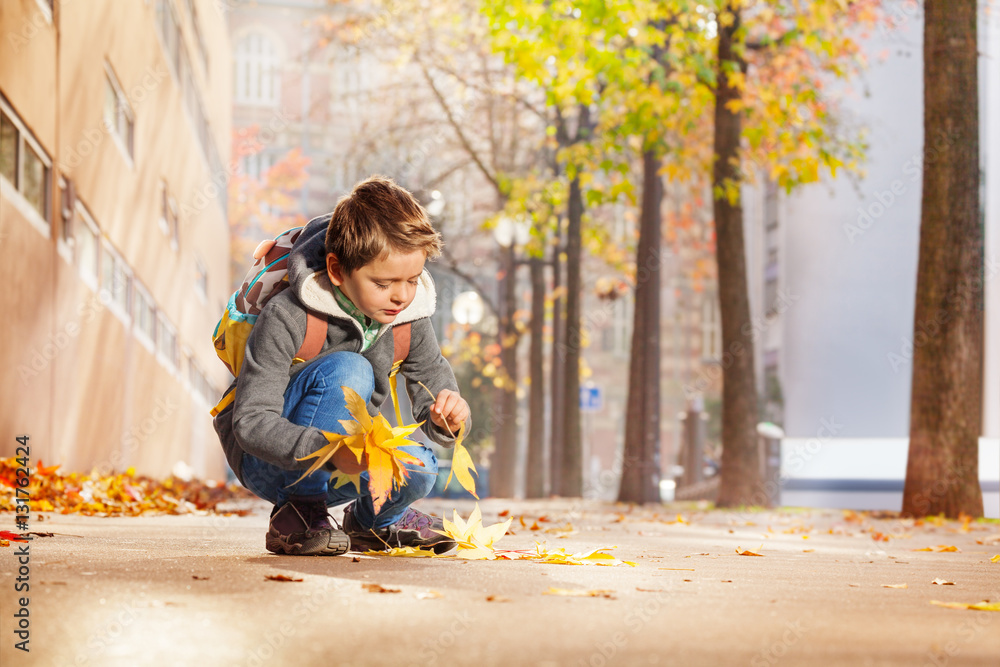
(335,544)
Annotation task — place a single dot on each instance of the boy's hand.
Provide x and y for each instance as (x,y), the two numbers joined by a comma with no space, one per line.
(449,410)
(345,461)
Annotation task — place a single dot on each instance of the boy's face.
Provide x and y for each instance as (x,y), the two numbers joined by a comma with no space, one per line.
(383,287)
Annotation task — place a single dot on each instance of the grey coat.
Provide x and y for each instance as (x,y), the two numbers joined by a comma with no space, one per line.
(253,423)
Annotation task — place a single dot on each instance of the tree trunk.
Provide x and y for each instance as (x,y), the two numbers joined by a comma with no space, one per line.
(503,470)
(741,480)
(535,480)
(558,370)
(942,472)
(641,462)
(571,477)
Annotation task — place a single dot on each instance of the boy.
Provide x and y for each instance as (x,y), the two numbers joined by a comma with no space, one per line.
(362,269)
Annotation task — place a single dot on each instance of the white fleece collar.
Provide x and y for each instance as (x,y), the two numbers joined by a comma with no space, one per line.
(316,293)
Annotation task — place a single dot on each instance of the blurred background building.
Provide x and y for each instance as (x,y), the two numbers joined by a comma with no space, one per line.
(114,133)
(833,276)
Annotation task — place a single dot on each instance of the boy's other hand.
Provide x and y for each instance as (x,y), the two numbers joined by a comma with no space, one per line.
(450,410)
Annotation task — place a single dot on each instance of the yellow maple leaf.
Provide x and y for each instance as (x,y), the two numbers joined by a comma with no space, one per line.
(375,438)
(462,466)
(560,556)
(978,606)
(995,559)
(404,552)
(475,541)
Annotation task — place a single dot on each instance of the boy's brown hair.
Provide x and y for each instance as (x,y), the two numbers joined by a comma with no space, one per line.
(376,217)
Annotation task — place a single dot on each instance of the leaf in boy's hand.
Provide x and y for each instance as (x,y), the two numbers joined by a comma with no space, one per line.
(462,466)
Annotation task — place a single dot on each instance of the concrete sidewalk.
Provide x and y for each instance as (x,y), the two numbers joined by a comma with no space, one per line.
(191,590)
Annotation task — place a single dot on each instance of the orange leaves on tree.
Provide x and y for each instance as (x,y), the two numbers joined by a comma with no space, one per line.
(374,438)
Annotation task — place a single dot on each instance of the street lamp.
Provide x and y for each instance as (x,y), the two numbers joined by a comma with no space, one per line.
(436,205)
(511,231)
(467,308)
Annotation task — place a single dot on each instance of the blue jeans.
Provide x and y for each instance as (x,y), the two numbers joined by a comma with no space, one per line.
(315,398)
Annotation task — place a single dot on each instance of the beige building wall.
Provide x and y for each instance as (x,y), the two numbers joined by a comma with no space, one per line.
(114,288)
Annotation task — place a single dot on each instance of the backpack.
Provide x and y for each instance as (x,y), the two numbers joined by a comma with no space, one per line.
(268,276)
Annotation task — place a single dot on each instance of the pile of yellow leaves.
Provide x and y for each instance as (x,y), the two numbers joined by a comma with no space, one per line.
(124,494)
(376,439)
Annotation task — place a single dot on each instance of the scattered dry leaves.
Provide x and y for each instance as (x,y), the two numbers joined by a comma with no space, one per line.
(894,586)
(580,593)
(429,595)
(747,552)
(941,548)
(943,582)
(497,598)
(985,605)
(124,494)
(280,577)
(379,588)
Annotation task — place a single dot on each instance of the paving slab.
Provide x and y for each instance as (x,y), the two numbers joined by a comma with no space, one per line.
(193,590)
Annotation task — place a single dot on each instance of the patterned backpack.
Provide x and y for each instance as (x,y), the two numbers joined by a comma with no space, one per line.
(268,276)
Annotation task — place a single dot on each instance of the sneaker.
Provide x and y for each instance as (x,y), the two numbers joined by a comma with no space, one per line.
(301,527)
(413,529)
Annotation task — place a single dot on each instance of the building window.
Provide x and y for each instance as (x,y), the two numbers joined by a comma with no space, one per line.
(118,117)
(257,80)
(116,280)
(8,149)
(169,220)
(144,315)
(36,182)
(88,248)
(201,279)
(26,167)
(256,165)
(166,342)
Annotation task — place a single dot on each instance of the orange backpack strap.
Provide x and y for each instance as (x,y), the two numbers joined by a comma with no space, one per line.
(400,350)
(316,329)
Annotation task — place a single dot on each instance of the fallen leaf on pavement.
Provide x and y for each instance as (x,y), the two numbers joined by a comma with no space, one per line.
(503,513)
(593,557)
(808,551)
(580,593)
(653,590)
(428,595)
(280,577)
(379,588)
(497,598)
(196,577)
(978,606)
(355,559)
(403,552)
(995,559)
(941,548)
(16,537)
(943,582)
(475,541)
(894,586)
(747,552)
